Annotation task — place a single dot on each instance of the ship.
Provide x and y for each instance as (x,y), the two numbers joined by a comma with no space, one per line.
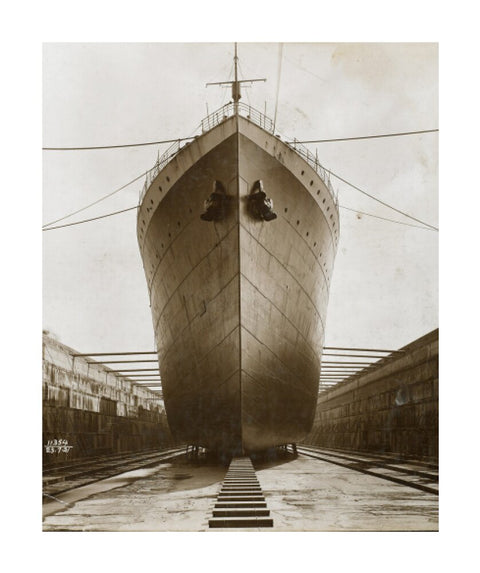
(238,230)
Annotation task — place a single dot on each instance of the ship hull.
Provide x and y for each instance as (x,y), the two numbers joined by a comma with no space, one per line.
(239,304)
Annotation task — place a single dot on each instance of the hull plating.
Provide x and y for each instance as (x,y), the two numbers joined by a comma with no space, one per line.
(238,305)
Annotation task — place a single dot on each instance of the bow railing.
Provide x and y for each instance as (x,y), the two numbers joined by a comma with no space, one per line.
(257,117)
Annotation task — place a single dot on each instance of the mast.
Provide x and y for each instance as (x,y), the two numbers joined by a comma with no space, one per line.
(236,93)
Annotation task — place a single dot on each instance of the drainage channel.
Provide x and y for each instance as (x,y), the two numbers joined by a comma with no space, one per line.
(240,502)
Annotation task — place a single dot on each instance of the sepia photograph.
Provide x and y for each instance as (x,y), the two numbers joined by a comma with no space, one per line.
(240,287)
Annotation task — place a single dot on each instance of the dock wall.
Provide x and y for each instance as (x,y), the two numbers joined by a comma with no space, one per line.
(391,408)
(94,411)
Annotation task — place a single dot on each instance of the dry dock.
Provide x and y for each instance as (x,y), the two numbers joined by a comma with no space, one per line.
(302,494)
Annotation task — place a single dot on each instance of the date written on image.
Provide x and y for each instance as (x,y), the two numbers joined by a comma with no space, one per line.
(57,446)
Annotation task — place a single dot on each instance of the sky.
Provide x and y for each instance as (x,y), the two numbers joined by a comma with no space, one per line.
(384,291)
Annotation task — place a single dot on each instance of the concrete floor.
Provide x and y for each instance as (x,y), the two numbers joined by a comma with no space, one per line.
(312,495)
(302,494)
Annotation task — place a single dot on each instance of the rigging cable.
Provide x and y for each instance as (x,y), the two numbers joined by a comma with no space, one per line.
(98,200)
(47,227)
(278,85)
(88,220)
(385,219)
(226,91)
(244,76)
(136,207)
(304,69)
(380,201)
(365,136)
(193,137)
(116,146)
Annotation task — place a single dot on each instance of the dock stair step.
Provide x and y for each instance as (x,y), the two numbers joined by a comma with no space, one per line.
(240,502)
(226,522)
(241,498)
(243,512)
